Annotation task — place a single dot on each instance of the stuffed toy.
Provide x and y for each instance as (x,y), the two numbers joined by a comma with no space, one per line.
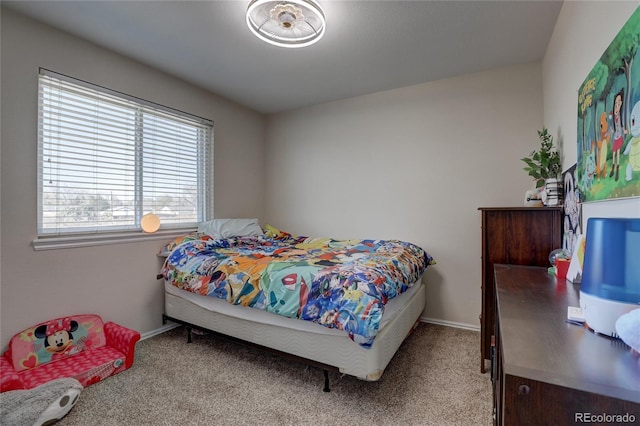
(628,329)
(42,405)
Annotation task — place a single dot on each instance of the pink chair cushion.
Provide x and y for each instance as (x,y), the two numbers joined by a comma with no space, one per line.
(88,367)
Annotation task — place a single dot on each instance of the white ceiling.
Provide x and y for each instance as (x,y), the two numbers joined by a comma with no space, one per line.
(369,46)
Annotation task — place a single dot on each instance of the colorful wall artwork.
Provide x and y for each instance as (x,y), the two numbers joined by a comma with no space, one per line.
(609,120)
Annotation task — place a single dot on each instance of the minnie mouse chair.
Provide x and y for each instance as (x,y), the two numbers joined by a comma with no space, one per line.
(81,347)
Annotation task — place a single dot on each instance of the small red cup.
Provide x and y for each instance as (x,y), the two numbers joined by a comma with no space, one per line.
(562,266)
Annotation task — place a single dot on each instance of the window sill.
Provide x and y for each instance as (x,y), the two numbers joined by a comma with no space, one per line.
(87,240)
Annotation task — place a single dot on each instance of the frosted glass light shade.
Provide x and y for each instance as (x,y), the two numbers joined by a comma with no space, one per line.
(291,23)
(150,223)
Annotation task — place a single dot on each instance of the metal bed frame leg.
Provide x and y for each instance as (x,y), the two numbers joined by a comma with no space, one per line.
(189,334)
(326,381)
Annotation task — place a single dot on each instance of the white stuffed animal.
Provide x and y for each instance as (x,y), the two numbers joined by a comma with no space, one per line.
(628,329)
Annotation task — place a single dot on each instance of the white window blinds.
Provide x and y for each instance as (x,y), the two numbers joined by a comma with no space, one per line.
(105,159)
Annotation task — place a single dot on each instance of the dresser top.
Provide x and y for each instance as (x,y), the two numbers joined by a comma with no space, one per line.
(522,208)
(538,344)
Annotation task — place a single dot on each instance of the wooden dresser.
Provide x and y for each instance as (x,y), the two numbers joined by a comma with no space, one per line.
(517,236)
(546,371)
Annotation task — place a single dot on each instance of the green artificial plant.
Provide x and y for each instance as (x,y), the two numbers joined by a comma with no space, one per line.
(545,163)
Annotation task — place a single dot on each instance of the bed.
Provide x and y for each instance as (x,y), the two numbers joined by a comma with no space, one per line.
(341,305)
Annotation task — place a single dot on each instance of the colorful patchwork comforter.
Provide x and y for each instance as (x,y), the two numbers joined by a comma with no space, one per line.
(341,284)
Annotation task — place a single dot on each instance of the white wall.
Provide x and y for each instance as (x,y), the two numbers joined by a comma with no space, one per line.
(414,164)
(583,32)
(115,281)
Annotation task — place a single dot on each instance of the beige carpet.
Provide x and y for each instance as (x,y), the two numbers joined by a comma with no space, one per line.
(434,379)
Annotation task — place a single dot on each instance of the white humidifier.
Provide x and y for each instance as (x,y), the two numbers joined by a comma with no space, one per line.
(611,272)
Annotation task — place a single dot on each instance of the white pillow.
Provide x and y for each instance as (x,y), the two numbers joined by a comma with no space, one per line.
(227,228)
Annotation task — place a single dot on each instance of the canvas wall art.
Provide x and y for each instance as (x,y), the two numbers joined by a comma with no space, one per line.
(609,120)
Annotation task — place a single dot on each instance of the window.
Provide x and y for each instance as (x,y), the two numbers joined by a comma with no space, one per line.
(105,159)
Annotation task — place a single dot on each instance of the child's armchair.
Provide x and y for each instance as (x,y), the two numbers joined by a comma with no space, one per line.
(80,347)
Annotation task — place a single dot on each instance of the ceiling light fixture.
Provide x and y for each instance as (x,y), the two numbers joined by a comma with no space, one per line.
(286,23)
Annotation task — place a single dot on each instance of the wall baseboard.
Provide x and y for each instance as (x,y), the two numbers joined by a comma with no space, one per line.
(450,324)
(171,325)
(168,326)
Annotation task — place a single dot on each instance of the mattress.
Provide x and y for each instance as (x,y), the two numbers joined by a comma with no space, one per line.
(302,338)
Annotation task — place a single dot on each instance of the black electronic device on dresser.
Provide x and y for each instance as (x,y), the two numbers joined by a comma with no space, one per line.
(518,236)
(546,371)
